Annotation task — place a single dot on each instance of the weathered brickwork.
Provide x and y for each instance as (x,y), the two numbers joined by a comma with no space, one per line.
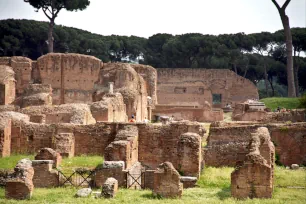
(254,178)
(44,175)
(20,185)
(7,85)
(227,143)
(167,181)
(195,86)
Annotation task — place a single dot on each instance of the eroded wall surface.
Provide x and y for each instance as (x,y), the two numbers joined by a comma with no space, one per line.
(227,143)
(72,76)
(195,86)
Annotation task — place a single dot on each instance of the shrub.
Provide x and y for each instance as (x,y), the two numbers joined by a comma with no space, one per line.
(303,101)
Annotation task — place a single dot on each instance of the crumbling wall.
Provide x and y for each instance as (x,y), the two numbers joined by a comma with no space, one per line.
(72,76)
(227,146)
(125,146)
(227,142)
(290,143)
(192,113)
(127,82)
(158,144)
(66,113)
(35,95)
(7,85)
(149,74)
(194,86)
(110,108)
(254,178)
(5,136)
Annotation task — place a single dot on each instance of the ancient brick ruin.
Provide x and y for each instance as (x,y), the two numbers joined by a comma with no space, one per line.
(20,185)
(254,177)
(78,105)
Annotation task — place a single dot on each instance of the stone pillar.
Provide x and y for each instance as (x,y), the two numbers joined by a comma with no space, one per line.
(20,186)
(111,87)
(5,137)
(45,176)
(167,181)
(189,154)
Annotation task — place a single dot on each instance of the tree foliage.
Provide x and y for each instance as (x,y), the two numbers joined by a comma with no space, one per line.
(51,8)
(260,57)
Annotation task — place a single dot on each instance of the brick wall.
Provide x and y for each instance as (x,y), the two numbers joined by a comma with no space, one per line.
(195,86)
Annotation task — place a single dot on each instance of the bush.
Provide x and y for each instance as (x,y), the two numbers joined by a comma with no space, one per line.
(303,101)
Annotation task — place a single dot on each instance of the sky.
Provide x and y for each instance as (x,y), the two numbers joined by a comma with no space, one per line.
(145,18)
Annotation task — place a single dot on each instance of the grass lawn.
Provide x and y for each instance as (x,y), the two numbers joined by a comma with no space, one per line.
(67,163)
(288,103)
(214,187)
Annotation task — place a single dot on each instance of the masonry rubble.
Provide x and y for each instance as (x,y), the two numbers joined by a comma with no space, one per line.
(110,188)
(20,185)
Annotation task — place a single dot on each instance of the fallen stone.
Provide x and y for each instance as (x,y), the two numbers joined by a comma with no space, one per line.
(188,181)
(84,192)
(295,166)
(110,188)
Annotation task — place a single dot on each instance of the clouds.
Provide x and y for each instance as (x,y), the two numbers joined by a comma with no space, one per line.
(147,17)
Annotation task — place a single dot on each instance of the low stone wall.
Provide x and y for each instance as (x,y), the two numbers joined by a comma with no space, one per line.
(188,113)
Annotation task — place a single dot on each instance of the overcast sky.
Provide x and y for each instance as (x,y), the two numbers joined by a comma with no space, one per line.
(147,17)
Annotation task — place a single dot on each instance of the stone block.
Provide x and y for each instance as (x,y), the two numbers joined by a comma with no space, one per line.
(167,181)
(49,154)
(20,186)
(115,169)
(110,188)
(188,181)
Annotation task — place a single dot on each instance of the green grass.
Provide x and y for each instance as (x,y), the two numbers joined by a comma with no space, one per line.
(11,161)
(288,103)
(213,187)
(67,163)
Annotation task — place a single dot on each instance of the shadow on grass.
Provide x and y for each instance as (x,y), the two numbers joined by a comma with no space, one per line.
(224,193)
(151,196)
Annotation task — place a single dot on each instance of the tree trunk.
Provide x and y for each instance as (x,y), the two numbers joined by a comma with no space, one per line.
(296,73)
(290,75)
(266,80)
(50,36)
(272,87)
(235,68)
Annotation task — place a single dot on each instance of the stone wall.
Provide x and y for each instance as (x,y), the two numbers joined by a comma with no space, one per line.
(110,108)
(192,113)
(158,144)
(7,85)
(149,74)
(195,86)
(129,83)
(5,137)
(72,76)
(227,143)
